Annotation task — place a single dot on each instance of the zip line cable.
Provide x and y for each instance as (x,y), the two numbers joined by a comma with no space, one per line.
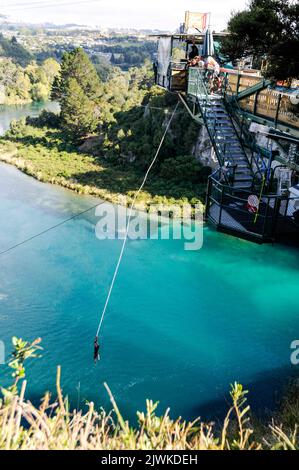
(49,229)
(129,222)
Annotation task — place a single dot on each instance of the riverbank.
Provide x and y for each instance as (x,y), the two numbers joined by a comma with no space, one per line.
(43,154)
(9,113)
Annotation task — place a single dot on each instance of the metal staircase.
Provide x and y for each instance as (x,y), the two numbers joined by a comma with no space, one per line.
(238,201)
(224,137)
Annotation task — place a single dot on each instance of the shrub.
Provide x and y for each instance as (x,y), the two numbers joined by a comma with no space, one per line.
(184,169)
(45,119)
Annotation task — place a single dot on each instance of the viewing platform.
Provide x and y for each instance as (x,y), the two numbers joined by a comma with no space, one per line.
(254,133)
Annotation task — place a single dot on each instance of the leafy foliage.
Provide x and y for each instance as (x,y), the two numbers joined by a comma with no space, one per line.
(77,65)
(77,89)
(78,114)
(45,153)
(135,134)
(184,169)
(45,119)
(23,350)
(267,29)
(23,85)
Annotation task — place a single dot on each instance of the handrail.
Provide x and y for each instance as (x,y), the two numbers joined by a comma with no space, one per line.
(220,147)
(244,133)
(247,192)
(261,85)
(225,197)
(209,115)
(248,138)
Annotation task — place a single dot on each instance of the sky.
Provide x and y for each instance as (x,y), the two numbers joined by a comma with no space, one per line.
(153,14)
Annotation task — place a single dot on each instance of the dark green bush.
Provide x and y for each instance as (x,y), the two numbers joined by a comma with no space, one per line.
(45,119)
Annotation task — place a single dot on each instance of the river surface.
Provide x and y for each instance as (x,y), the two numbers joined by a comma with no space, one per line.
(181,325)
(8,113)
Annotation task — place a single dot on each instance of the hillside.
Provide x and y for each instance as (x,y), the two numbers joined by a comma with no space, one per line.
(15,51)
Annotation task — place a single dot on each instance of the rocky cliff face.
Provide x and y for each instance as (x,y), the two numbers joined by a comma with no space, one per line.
(203,149)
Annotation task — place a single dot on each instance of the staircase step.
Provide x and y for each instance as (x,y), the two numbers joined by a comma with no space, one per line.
(237,176)
(243,171)
(229,138)
(224,125)
(226,141)
(216,110)
(228,135)
(221,119)
(246,179)
(217,114)
(238,161)
(217,107)
(242,186)
(228,132)
(217,104)
(234,148)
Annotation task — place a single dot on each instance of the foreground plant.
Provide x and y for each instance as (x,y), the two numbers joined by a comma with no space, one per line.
(23,350)
(54,426)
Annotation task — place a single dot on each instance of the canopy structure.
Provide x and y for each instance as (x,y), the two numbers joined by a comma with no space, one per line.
(190,38)
(208,44)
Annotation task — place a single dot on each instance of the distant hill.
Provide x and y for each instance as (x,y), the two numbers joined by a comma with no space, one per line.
(10,48)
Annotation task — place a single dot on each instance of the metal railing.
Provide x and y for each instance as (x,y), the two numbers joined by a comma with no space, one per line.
(242,127)
(236,115)
(198,87)
(228,208)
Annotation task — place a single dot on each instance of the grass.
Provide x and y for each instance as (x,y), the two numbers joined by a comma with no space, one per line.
(53,426)
(43,154)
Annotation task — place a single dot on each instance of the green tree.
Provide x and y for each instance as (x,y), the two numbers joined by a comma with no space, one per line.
(39,92)
(78,116)
(76,64)
(51,69)
(267,29)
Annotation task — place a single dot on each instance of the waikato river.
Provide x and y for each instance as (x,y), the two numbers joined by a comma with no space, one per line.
(181,325)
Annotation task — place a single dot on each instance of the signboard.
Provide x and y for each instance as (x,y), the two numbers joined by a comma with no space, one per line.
(253,203)
(196,22)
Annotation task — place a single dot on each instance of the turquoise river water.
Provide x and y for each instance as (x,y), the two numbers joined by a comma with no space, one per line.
(181,325)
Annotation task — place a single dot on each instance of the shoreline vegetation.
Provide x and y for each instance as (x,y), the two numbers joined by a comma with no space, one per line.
(88,175)
(55,426)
